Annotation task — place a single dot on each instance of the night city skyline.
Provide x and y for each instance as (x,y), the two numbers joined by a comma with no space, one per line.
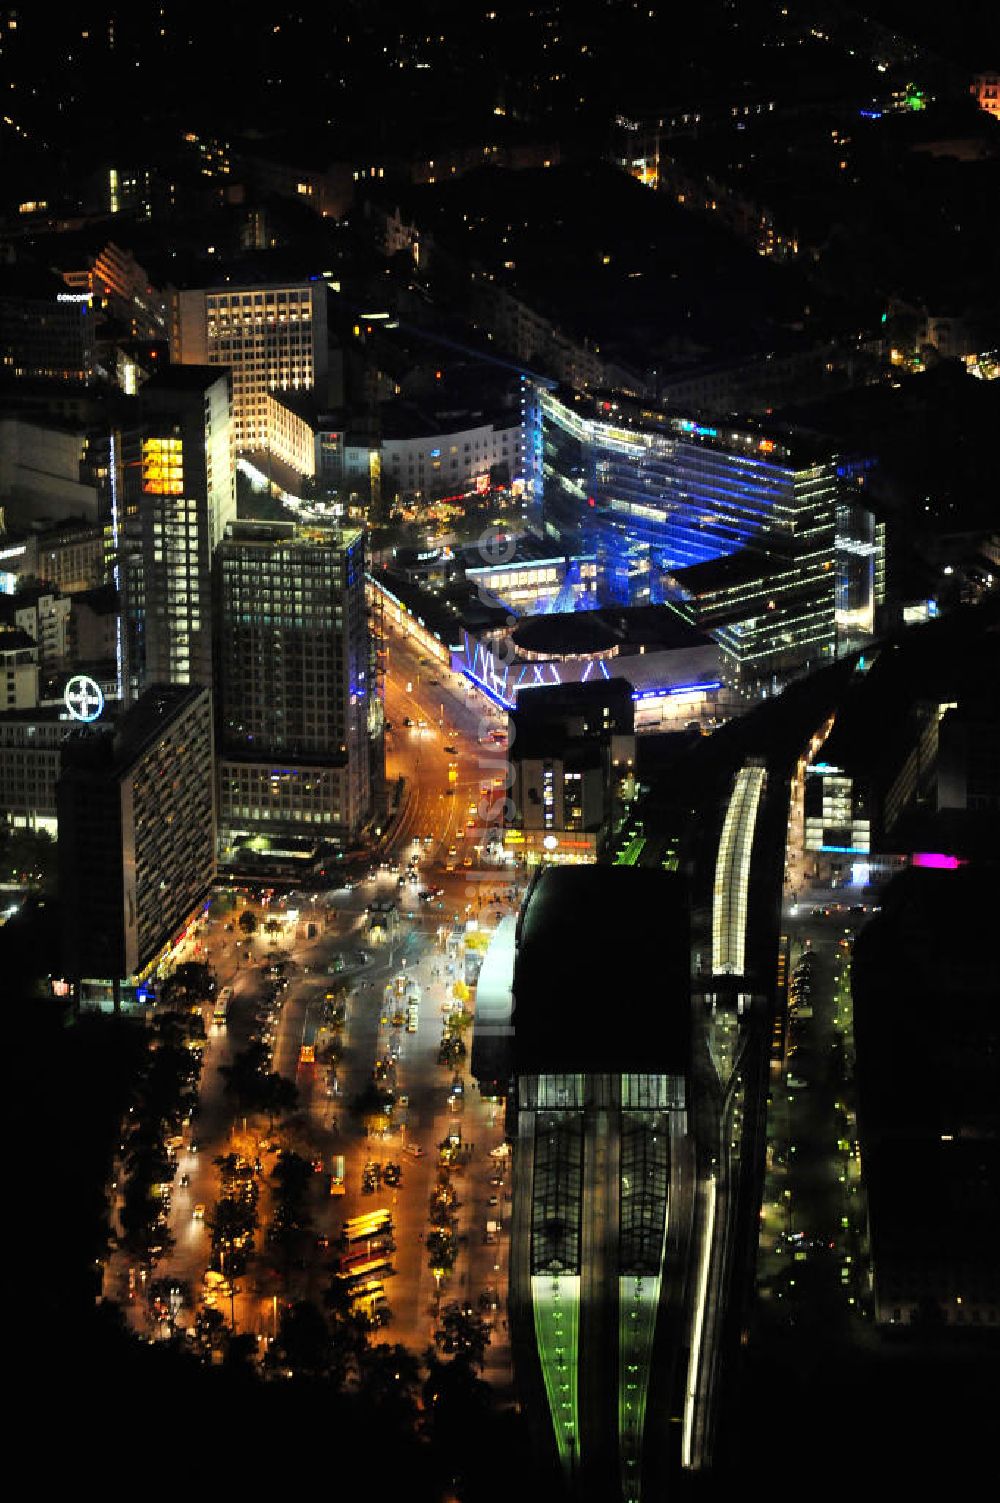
(500,754)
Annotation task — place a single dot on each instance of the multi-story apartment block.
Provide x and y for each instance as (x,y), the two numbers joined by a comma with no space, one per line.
(69,558)
(30,742)
(136,807)
(46,617)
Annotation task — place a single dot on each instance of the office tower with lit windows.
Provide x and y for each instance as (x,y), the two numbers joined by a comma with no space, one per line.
(136,810)
(179,491)
(272,336)
(293,686)
(46,329)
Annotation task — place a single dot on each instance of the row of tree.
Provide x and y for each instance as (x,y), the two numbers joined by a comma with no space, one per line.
(165,1096)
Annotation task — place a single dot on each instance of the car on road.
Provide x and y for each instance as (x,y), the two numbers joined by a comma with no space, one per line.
(198,1212)
(407,720)
(452,751)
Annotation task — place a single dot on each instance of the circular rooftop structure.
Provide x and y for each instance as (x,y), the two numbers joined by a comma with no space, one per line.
(579,634)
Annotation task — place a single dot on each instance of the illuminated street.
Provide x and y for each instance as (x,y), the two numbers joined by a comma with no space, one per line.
(324,1123)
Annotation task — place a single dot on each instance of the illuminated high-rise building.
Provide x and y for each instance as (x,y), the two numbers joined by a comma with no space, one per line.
(293,685)
(272,336)
(178,478)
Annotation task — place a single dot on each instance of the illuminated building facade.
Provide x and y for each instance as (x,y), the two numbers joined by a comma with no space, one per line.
(70,559)
(536,580)
(452,463)
(291,437)
(676,491)
(572,751)
(179,495)
(985,89)
(136,807)
(859,788)
(30,742)
(272,336)
(293,683)
(753,540)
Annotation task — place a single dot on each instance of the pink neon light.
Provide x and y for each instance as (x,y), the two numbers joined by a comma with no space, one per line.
(937,861)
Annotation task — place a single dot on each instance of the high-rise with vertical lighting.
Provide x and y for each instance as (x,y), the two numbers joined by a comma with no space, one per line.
(180,494)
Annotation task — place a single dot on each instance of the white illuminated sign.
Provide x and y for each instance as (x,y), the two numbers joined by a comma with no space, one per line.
(83,698)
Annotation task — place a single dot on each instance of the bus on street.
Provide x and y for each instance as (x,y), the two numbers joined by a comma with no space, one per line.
(220,1015)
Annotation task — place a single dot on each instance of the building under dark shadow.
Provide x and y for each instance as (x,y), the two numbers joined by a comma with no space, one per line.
(597,1048)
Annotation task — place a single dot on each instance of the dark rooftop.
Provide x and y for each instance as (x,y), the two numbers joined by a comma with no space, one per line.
(552,700)
(26,280)
(572,1011)
(13,639)
(579,633)
(120,743)
(182,378)
(528,548)
(733,569)
(944,661)
(445,613)
(103,600)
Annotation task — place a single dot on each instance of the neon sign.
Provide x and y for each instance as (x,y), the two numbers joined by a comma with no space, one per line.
(83,698)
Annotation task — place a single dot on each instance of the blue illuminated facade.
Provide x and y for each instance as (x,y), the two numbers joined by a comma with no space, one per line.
(763,545)
(653,494)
